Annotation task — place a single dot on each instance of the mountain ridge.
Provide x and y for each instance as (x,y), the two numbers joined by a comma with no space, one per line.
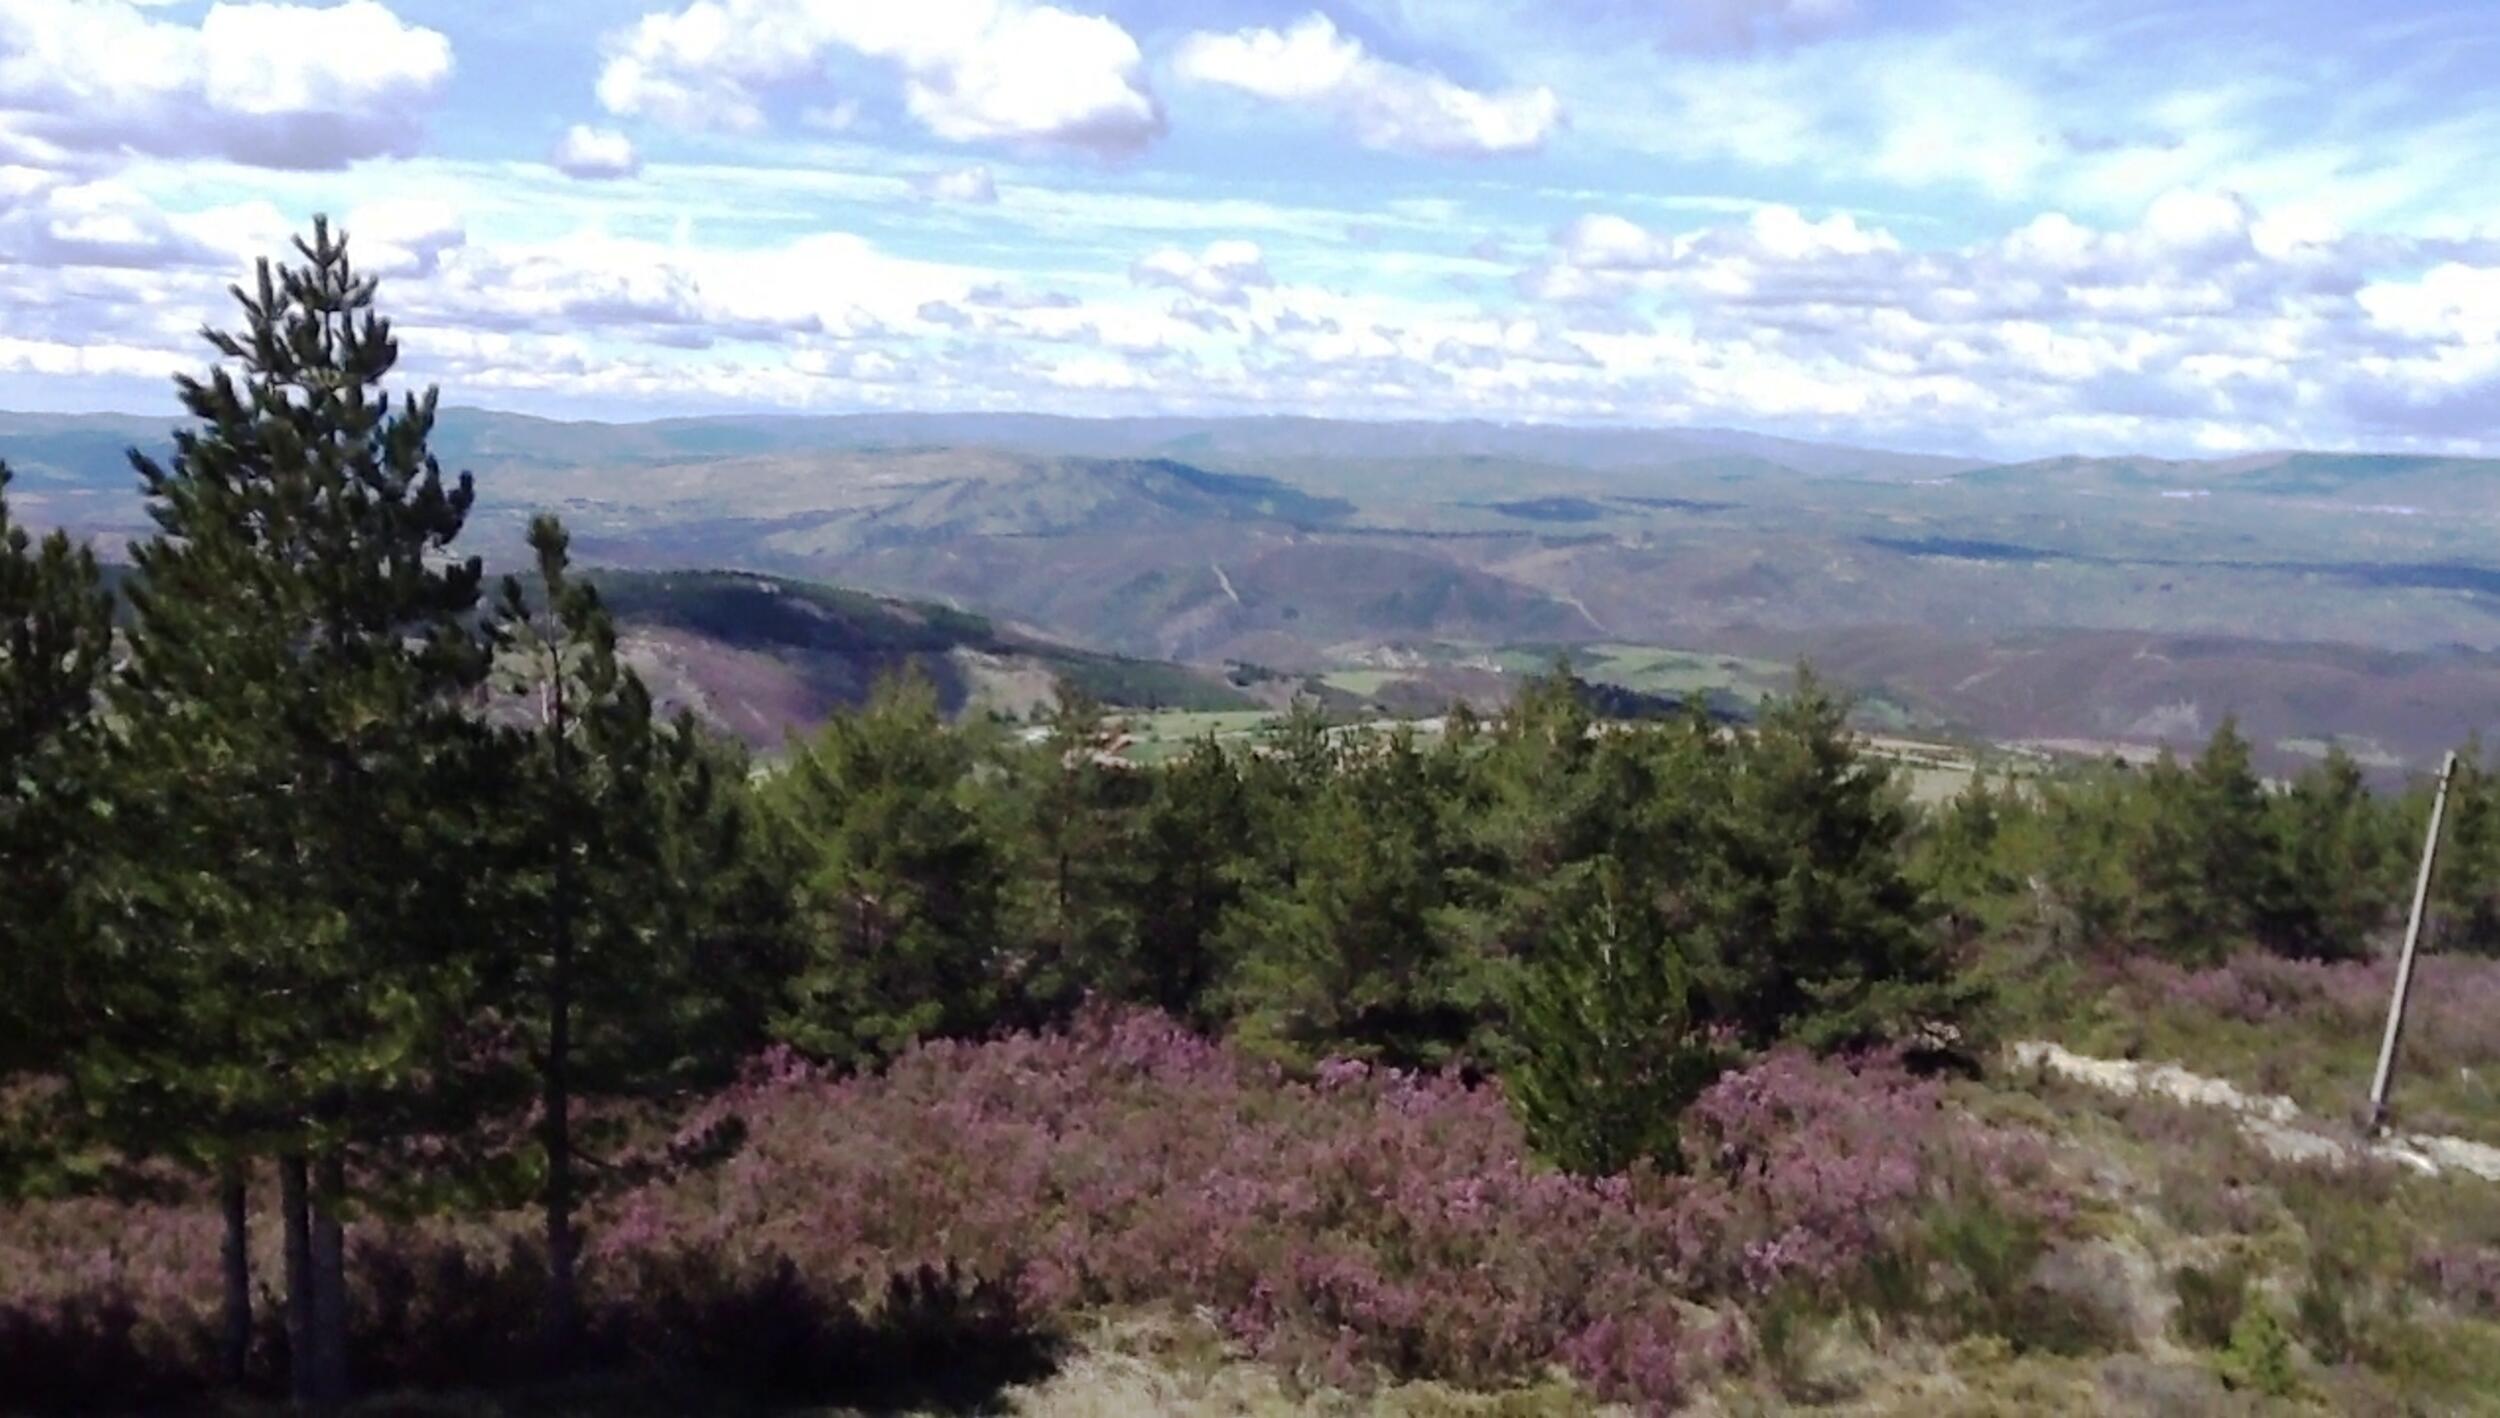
(1279,541)
(499,434)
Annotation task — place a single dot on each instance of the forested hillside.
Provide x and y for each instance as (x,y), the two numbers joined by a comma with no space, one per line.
(401,1000)
(764,657)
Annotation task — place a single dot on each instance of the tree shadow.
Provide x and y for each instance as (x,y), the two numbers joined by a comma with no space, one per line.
(437,1330)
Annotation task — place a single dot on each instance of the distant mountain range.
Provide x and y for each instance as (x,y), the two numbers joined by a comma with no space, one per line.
(1304,545)
(90,448)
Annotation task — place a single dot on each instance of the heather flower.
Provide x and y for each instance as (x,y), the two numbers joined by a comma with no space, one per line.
(1372,1221)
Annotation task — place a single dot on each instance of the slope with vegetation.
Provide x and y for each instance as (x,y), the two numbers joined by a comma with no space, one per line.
(2123,600)
(764,657)
(402,1001)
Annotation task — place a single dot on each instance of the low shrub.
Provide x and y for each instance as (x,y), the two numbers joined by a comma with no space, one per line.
(2258,1357)
(2211,1301)
(1365,1223)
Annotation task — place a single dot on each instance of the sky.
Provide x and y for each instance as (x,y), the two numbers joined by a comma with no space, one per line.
(1987,228)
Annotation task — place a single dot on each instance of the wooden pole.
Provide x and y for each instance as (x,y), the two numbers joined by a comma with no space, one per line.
(2404,962)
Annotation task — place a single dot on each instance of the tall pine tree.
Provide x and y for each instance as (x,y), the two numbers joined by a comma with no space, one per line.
(56,630)
(301,668)
(1353,943)
(600,939)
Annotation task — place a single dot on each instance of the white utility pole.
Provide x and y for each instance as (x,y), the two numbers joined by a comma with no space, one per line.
(2404,962)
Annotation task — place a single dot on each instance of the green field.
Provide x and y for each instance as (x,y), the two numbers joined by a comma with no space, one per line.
(1158,737)
(1659,670)
(1362,682)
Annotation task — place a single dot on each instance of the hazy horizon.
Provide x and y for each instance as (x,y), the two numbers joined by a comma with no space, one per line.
(1972,453)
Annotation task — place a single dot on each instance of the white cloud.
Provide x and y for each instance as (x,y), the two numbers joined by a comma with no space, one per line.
(590,152)
(830,285)
(2205,322)
(2451,301)
(2202,325)
(1385,105)
(962,184)
(1601,257)
(403,236)
(53,224)
(972,70)
(1223,274)
(276,85)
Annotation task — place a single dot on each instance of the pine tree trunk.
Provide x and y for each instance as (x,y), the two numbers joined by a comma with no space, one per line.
(563,1301)
(294,1202)
(235,1343)
(329,1290)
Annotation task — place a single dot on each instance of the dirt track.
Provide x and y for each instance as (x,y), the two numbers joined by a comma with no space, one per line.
(2275,1122)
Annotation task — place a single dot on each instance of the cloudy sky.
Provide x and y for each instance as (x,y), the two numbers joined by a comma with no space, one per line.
(1971,226)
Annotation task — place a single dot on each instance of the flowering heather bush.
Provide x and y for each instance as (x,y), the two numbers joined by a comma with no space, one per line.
(2256,988)
(2447,1021)
(1368,1221)
(1369,1218)
(1820,1165)
(108,1298)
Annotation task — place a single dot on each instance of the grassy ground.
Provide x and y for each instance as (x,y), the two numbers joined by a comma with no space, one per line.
(2364,752)
(1161,736)
(1362,682)
(2298,1287)
(1934,770)
(2302,1030)
(1658,670)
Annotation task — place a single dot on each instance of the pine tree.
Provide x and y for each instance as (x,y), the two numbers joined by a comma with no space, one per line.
(2338,864)
(1541,817)
(2466,886)
(590,950)
(1611,1047)
(2082,858)
(2205,857)
(2242,872)
(56,631)
(2176,911)
(902,882)
(731,909)
(1823,935)
(301,664)
(1557,799)
(1074,811)
(1353,947)
(1194,852)
(1961,857)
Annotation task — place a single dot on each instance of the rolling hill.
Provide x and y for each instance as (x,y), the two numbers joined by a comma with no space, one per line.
(2010,599)
(763,657)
